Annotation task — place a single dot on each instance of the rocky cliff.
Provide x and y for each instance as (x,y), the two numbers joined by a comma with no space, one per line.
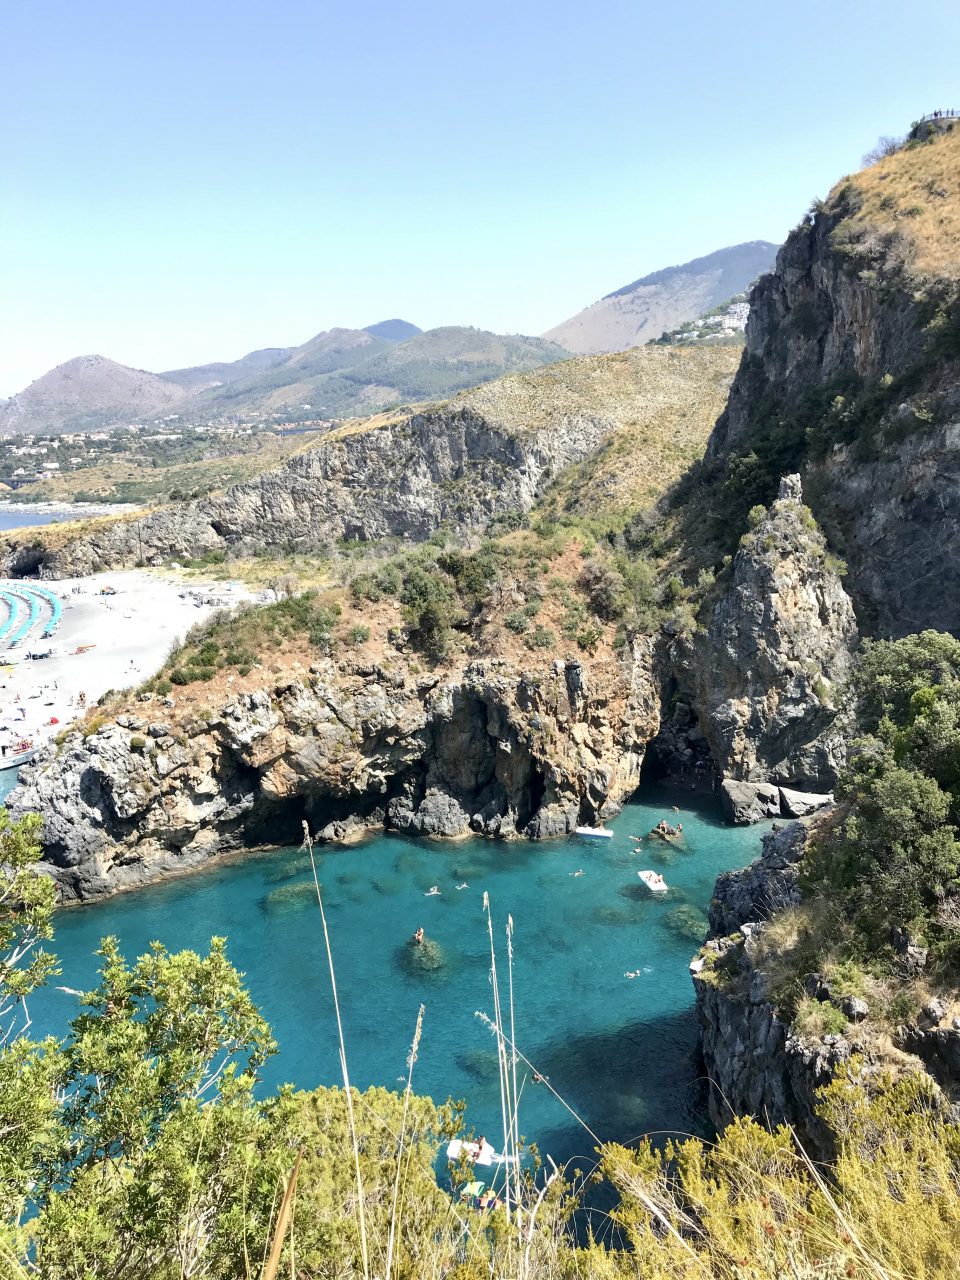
(771,666)
(402,478)
(851,375)
(348,746)
(488,452)
(758,1060)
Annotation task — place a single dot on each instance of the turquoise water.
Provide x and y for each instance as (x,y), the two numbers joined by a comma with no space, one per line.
(621,1051)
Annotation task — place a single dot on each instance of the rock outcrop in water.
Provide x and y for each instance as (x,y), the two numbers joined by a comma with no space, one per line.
(489,750)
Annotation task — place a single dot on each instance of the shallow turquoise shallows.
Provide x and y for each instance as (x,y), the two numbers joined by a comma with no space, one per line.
(621,1051)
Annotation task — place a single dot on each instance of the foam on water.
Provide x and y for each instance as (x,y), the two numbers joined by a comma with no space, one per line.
(621,1051)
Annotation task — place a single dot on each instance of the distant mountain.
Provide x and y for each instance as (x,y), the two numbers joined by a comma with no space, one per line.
(213,375)
(393,330)
(350,372)
(335,374)
(85,393)
(663,300)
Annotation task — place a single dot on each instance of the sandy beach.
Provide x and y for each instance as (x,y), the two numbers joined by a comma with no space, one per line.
(129,634)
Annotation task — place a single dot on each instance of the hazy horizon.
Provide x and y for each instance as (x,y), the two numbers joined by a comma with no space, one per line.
(189,185)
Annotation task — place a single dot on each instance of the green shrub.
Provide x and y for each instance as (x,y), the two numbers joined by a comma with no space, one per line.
(589,636)
(541,638)
(517,621)
(163,687)
(138,743)
(816,1019)
(358,634)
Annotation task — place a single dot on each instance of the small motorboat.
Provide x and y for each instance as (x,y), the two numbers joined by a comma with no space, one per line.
(593,833)
(481,1152)
(654,881)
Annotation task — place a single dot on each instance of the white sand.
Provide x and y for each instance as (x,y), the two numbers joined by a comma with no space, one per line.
(131,632)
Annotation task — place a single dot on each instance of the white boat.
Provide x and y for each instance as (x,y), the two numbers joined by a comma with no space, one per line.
(20,755)
(593,833)
(476,1152)
(654,881)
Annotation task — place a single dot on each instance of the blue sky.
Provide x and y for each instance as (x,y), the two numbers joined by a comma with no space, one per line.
(187,181)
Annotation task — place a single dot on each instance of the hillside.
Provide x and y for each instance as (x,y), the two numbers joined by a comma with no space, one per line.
(487,453)
(345,373)
(339,373)
(643,310)
(86,393)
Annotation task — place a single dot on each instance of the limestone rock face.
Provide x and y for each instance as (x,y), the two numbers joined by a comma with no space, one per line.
(745,802)
(755,1065)
(766,886)
(889,504)
(402,479)
(771,668)
(491,750)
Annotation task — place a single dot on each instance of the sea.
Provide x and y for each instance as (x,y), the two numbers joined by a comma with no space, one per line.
(26,516)
(603,1002)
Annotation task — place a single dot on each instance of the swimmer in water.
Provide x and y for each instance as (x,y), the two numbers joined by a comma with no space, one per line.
(463,886)
(577,873)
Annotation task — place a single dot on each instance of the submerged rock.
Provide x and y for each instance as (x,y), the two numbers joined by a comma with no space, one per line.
(425,957)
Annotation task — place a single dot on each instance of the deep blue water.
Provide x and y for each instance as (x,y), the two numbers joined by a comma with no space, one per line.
(621,1051)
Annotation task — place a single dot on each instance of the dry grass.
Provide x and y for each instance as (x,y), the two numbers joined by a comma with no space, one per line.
(667,400)
(915,194)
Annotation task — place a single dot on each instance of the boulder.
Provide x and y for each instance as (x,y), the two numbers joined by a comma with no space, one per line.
(746,802)
(855,1008)
(798,804)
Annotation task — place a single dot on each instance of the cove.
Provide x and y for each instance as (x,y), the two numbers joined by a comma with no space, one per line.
(620,1051)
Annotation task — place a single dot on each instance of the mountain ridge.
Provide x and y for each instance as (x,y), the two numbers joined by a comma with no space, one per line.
(641,311)
(336,373)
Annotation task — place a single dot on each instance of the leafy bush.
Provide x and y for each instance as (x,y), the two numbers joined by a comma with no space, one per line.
(541,638)
(517,621)
(816,1019)
(605,588)
(358,634)
(138,743)
(894,858)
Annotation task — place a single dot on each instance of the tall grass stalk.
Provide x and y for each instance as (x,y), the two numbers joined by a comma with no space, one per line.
(515,1128)
(284,1218)
(414,1049)
(487,1022)
(361,1214)
(505,1108)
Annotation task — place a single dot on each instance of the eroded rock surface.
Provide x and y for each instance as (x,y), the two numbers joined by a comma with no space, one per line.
(771,668)
(488,750)
(400,479)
